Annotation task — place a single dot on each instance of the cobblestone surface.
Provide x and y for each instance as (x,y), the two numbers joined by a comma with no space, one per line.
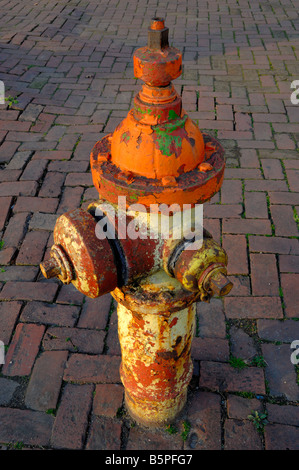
(67,70)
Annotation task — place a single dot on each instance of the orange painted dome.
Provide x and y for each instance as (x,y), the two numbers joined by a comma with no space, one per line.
(166,149)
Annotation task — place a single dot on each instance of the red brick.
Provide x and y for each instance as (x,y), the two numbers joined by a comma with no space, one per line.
(50,314)
(9,312)
(218,376)
(231,192)
(204,416)
(218,211)
(18,188)
(289,284)
(292,164)
(83,150)
(262,131)
(9,175)
(34,170)
(272,168)
(283,218)
(27,139)
(16,273)
(23,349)
(15,125)
(243,173)
(67,142)
(74,340)
(256,205)
(241,435)
(281,437)
(43,123)
(33,247)
(236,249)
(71,120)
(213,227)
(266,185)
(35,204)
(235,135)
(69,166)
(105,434)
(19,160)
(211,124)
(52,185)
(271,117)
(6,255)
(112,340)
(274,245)
(72,417)
(9,114)
(5,205)
(240,408)
(44,291)
(211,319)
(284,142)
(210,349)
(280,372)
(283,414)
(289,264)
(241,286)
(144,439)
(248,158)
(40,221)
(52,154)
(293,179)
(45,381)
(55,133)
(68,294)
(32,428)
(253,307)
(7,150)
(71,199)
(78,179)
(108,399)
(224,112)
(83,368)
(244,226)
(15,230)
(241,344)
(95,312)
(276,330)
(264,274)
(284,198)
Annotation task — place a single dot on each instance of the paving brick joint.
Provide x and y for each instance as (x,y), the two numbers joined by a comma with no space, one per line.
(68,76)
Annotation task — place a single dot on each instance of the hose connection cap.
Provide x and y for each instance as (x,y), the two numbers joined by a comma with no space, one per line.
(58,265)
(218,283)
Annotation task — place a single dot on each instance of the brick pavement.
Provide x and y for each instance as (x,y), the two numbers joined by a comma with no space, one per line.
(67,69)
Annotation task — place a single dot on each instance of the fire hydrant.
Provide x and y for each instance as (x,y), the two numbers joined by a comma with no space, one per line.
(157,165)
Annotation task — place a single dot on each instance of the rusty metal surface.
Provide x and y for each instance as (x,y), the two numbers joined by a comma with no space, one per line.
(156,294)
(156,363)
(94,271)
(193,187)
